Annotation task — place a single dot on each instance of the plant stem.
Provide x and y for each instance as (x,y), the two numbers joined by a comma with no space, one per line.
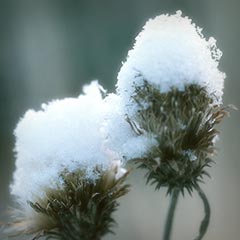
(205,222)
(170,215)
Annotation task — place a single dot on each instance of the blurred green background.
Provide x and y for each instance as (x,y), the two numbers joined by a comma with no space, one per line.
(49,49)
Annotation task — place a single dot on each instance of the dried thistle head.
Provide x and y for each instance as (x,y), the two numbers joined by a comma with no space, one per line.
(79,208)
(171,89)
(66,181)
(184,125)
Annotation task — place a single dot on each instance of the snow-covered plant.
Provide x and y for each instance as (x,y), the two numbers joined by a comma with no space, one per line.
(163,117)
(67,181)
(170,89)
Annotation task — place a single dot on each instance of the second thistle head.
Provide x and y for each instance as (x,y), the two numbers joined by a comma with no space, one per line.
(171,90)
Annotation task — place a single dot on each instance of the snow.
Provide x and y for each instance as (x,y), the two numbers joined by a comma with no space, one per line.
(64,134)
(119,135)
(171,51)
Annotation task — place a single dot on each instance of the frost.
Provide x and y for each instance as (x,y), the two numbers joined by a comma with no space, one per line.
(171,51)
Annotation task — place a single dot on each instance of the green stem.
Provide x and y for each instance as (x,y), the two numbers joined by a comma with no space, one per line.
(205,222)
(170,215)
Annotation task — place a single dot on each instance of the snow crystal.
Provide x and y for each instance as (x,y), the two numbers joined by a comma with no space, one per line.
(190,154)
(172,51)
(65,134)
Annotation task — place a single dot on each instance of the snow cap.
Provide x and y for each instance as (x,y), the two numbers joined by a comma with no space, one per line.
(171,51)
(64,134)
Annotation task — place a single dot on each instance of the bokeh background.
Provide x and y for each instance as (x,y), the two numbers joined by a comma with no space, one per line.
(50,49)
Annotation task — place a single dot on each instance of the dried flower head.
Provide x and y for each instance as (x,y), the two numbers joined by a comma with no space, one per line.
(67,181)
(184,125)
(76,208)
(171,90)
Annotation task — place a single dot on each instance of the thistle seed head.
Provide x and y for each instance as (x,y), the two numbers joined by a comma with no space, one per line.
(184,126)
(79,208)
